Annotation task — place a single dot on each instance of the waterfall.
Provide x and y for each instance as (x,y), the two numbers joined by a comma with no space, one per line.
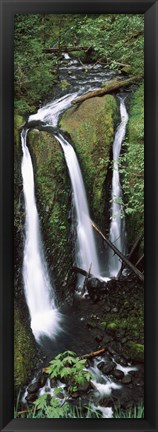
(50,113)
(38,291)
(86,254)
(117,228)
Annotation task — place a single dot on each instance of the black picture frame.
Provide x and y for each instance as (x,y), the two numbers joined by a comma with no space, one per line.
(150,10)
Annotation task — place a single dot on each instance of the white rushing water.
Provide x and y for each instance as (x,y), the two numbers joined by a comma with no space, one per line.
(86,254)
(117,229)
(50,113)
(45,320)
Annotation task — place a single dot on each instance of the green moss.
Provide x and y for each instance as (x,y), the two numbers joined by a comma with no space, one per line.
(126,69)
(24,350)
(136,351)
(103,324)
(52,186)
(112,326)
(91,127)
(18,122)
(132,324)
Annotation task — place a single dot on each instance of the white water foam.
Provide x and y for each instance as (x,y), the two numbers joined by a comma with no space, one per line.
(117,229)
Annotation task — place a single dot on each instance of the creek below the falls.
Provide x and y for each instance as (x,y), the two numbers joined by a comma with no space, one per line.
(75,329)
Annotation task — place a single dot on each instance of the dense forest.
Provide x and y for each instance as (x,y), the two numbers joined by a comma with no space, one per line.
(96,62)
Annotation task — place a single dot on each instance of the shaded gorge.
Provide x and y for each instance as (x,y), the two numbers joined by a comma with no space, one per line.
(65,165)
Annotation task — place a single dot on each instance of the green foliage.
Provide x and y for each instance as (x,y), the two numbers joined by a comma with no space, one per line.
(115,38)
(136,351)
(33,72)
(135,412)
(24,349)
(132,166)
(70,367)
(52,408)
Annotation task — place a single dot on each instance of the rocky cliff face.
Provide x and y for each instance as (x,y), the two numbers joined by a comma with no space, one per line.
(53,195)
(91,129)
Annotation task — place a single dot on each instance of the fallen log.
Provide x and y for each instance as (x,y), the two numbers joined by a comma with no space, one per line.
(109,87)
(66,49)
(114,248)
(140,260)
(135,246)
(131,253)
(81,271)
(24,411)
(92,354)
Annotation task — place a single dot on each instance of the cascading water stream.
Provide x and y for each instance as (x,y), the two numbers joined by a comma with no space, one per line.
(38,291)
(86,254)
(117,228)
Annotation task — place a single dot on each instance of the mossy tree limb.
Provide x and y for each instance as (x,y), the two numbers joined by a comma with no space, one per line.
(109,87)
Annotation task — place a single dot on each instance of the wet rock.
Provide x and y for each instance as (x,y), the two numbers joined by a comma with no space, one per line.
(127,379)
(115,310)
(30,398)
(83,388)
(107,339)
(34,387)
(124,340)
(120,334)
(91,324)
(75,395)
(52,382)
(93,287)
(106,368)
(111,350)
(42,380)
(60,395)
(93,283)
(120,360)
(107,308)
(35,123)
(139,383)
(126,356)
(99,336)
(116,347)
(118,374)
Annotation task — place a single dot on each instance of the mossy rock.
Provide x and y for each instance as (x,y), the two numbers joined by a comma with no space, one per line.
(24,350)
(18,122)
(126,69)
(136,351)
(52,187)
(91,128)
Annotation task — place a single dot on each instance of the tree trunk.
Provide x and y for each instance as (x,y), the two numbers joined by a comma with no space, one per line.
(92,354)
(66,49)
(79,270)
(123,258)
(109,87)
(132,251)
(140,260)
